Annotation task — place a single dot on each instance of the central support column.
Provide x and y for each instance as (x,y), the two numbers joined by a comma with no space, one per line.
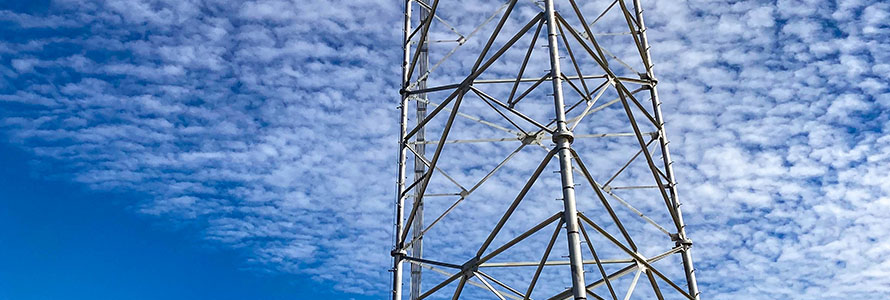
(563,139)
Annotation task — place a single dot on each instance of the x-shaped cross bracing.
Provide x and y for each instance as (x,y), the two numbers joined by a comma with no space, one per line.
(507,103)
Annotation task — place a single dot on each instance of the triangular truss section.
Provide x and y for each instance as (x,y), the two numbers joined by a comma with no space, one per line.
(540,159)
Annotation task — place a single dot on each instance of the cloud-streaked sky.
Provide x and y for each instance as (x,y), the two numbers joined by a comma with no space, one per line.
(64,241)
(270,126)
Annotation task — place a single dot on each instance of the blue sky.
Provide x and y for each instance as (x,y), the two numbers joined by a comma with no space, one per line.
(226,149)
(66,242)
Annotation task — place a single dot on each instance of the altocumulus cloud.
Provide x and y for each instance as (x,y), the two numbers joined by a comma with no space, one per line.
(271,126)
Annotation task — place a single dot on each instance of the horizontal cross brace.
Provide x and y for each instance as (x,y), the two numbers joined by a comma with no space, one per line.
(551,263)
(490,81)
(511,139)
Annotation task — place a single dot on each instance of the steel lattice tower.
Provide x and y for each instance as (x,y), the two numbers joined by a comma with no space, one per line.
(593,123)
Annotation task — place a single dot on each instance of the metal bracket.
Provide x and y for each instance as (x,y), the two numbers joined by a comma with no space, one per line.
(398,253)
(568,135)
(470,267)
(528,139)
(685,243)
(653,81)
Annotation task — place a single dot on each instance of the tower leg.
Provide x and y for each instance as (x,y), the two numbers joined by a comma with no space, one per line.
(397,254)
(666,155)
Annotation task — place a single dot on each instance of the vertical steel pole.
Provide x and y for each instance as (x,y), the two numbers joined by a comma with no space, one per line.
(419,167)
(403,155)
(666,155)
(563,139)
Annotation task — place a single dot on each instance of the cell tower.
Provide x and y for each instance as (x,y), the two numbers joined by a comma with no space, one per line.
(471,221)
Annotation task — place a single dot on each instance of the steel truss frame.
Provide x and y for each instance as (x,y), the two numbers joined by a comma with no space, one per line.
(410,229)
